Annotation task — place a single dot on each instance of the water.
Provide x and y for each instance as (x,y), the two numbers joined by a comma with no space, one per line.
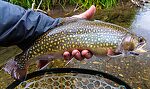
(134,71)
(141,24)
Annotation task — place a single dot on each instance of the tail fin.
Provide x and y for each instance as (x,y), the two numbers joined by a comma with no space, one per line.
(11,67)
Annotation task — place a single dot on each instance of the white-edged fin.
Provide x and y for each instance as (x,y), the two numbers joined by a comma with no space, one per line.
(141,50)
(45,66)
(114,56)
(98,21)
(69,61)
(47,58)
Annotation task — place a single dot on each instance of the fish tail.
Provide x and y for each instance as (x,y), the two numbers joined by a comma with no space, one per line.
(14,68)
(8,67)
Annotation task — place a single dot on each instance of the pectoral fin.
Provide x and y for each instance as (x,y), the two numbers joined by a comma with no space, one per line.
(69,61)
(113,56)
(43,61)
(140,50)
(42,64)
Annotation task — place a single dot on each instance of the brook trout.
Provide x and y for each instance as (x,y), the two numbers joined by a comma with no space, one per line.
(96,36)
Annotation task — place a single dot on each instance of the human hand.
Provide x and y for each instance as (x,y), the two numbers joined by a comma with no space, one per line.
(80,55)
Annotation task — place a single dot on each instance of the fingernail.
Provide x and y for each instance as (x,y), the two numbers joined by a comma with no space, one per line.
(66,55)
(78,56)
(88,55)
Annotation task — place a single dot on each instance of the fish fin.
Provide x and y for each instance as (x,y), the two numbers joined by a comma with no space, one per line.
(141,50)
(113,56)
(45,66)
(43,61)
(12,68)
(69,61)
(42,64)
(98,21)
(20,74)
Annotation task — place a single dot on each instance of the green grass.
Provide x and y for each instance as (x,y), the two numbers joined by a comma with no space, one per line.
(120,15)
(82,4)
(24,3)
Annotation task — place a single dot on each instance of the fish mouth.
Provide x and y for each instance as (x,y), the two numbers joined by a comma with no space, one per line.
(139,49)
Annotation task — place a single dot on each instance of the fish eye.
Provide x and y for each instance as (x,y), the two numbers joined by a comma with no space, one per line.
(141,39)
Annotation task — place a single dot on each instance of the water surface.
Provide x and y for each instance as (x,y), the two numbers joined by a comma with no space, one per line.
(134,70)
(141,24)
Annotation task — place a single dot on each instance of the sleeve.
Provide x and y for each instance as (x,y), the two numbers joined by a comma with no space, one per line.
(21,27)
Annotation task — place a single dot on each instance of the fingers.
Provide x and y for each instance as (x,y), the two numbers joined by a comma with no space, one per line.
(77,54)
(67,55)
(88,14)
(86,54)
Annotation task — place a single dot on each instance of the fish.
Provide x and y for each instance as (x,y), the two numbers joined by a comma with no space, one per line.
(96,36)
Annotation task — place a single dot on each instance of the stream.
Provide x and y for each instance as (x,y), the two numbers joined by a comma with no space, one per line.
(141,24)
(133,70)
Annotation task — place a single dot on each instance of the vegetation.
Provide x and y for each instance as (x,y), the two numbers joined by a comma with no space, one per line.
(134,71)
(47,4)
(23,3)
(122,15)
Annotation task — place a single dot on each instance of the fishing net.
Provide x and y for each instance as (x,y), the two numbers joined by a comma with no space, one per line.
(69,78)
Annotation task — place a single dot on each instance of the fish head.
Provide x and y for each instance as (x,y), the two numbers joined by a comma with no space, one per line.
(139,47)
(12,68)
(134,45)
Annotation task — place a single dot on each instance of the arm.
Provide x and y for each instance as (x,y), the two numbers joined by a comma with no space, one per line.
(21,27)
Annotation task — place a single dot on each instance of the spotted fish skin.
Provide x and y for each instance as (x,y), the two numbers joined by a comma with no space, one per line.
(96,36)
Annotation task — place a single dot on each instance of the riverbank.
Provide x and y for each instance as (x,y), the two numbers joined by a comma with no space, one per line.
(122,14)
